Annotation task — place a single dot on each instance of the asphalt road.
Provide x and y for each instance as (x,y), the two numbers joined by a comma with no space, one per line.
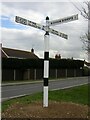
(12,91)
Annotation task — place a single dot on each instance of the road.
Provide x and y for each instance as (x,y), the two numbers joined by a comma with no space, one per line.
(12,91)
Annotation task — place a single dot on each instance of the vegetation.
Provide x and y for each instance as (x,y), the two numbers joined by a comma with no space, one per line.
(14,63)
(75,95)
(86,71)
(85,12)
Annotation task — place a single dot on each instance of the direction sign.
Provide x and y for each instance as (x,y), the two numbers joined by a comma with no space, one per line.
(20,20)
(58,33)
(42,27)
(29,23)
(64,20)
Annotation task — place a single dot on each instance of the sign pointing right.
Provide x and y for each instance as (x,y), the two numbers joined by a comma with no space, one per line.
(63,20)
(55,32)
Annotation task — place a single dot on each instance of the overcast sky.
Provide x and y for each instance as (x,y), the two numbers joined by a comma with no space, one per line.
(18,36)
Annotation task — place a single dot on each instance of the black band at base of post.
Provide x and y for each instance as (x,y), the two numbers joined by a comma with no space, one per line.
(45,81)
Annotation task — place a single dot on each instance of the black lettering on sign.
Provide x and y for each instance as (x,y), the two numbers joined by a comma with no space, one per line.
(66,19)
(16,19)
(43,27)
(55,32)
(21,20)
(34,24)
(38,26)
(30,23)
(24,21)
(61,34)
(60,21)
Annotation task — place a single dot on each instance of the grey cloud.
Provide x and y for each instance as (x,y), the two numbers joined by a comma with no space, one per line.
(68,48)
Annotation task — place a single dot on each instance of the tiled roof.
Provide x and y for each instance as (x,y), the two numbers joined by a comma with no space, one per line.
(14,53)
(87,63)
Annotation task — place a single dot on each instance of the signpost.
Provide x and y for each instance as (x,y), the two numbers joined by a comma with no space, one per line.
(47,29)
(63,20)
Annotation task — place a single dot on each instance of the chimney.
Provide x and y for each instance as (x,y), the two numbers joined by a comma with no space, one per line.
(32,50)
(57,56)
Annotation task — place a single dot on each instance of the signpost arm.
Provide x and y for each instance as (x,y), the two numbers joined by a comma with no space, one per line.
(46,65)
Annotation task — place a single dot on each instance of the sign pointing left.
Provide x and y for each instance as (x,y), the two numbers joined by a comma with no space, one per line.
(28,22)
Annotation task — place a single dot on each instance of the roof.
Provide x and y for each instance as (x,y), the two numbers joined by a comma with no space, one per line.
(14,53)
(87,63)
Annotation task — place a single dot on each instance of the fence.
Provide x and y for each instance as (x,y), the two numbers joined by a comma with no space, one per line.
(35,74)
(32,69)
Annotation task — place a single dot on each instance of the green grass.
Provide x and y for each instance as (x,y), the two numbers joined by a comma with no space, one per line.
(76,95)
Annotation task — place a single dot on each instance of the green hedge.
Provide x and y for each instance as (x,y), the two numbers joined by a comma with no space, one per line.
(66,63)
(10,63)
(86,71)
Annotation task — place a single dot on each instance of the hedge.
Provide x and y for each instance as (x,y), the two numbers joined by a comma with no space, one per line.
(14,63)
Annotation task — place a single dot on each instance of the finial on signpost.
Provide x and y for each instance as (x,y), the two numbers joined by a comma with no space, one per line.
(47,18)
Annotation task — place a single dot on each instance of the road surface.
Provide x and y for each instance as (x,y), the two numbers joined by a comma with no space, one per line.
(12,91)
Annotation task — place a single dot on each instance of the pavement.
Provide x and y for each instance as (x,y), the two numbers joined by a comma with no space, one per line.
(38,81)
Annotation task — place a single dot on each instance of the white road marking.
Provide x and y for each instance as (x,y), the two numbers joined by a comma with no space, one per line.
(7,98)
(69,87)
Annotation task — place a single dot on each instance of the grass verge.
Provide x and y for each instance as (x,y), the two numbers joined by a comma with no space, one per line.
(76,95)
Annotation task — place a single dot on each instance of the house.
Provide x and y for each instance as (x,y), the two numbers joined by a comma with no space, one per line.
(20,54)
(17,74)
(87,64)
(28,66)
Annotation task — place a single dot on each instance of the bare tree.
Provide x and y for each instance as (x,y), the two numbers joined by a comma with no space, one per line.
(86,37)
(84,13)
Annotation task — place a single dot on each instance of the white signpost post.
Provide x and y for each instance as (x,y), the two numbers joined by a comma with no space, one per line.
(47,29)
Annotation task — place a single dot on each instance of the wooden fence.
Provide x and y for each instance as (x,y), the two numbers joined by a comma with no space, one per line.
(37,74)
